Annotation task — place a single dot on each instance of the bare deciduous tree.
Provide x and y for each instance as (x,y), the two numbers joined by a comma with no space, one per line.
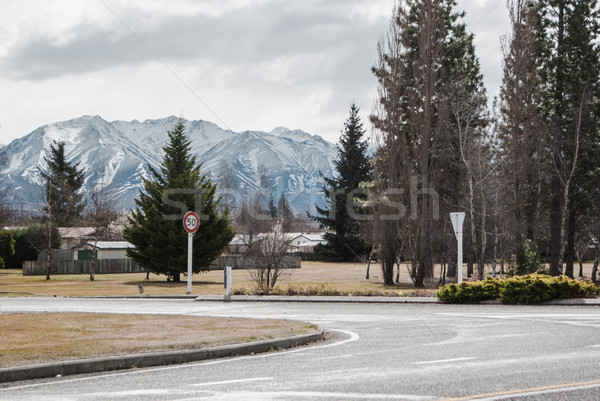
(101,212)
(268,257)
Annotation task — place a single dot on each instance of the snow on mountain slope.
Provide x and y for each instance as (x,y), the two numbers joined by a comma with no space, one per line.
(118,153)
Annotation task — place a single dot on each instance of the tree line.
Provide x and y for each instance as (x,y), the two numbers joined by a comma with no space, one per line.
(526,172)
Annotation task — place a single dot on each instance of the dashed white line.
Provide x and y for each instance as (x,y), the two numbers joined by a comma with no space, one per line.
(220,383)
(467,358)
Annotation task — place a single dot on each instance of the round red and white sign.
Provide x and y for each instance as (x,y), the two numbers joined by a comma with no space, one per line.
(191,222)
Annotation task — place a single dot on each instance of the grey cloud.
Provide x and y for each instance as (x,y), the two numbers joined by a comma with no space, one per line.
(243,36)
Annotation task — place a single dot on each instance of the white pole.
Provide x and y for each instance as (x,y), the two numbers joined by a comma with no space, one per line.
(457,223)
(459,262)
(189,262)
(228,280)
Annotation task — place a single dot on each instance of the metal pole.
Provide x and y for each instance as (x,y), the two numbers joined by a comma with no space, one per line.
(459,265)
(228,283)
(189,262)
(457,223)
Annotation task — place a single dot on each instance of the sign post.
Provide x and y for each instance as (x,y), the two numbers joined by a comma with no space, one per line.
(191,222)
(457,223)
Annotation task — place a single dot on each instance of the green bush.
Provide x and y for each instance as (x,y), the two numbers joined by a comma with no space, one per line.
(470,292)
(7,246)
(529,259)
(529,289)
(23,249)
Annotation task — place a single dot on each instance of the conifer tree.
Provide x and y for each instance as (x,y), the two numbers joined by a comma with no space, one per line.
(284,213)
(346,238)
(426,51)
(155,226)
(64,203)
(521,127)
(571,72)
(272,209)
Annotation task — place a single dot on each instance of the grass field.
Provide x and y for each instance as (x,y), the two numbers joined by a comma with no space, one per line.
(340,276)
(343,276)
(30,338)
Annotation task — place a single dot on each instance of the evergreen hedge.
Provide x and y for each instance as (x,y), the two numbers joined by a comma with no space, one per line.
(529,289)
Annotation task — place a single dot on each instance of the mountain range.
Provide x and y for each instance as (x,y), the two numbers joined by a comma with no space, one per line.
(117,155)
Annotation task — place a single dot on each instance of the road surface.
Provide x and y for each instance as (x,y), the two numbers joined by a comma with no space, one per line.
(374,352)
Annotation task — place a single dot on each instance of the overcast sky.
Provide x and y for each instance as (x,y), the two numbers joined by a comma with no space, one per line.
(242,64)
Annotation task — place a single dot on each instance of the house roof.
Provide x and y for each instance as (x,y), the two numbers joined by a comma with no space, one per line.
(76,232)
(243,239)
(314,237)
(112,244)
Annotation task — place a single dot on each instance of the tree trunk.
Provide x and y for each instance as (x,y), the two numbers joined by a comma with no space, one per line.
(387,268)
(556,187)
(555,240)
(483,245)
(94,257)
(369,262)
(570,251)
(473,248)
(595,269)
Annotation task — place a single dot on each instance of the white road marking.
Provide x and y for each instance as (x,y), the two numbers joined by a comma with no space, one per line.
(536,392)
(282,395)
(353,337)
(576,319)
(220,383)
(467,358)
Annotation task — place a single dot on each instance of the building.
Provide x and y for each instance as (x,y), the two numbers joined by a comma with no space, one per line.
(302,242)
(75,236)
(105,250)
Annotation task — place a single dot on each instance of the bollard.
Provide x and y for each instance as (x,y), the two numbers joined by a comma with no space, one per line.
(227,272)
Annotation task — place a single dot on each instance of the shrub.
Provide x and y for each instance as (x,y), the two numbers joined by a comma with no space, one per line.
(529,289)
(470,292)
(314,290)
(529,260)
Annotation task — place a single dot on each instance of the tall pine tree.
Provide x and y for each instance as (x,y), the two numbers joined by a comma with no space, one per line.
(521,127)
(346,237)
(64,202)
(155,226)
(426,51)
(571,72)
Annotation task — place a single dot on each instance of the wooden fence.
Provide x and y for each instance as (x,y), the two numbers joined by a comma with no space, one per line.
(103,266)
(248,262)
(112,266)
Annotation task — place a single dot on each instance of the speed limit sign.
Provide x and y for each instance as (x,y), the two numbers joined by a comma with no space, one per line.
(191,222)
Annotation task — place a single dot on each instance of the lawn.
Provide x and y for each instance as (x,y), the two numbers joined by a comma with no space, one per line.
(30,338)
(347,277)
(342,276)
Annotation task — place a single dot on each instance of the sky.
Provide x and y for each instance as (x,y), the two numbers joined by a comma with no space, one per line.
(241,64)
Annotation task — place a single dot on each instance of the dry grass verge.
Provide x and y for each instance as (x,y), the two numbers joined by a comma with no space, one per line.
(30,338)
(342,277)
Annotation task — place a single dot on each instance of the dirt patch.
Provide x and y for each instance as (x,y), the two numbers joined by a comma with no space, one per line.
(30,338)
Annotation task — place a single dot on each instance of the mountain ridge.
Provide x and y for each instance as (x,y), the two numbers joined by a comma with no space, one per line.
(118,153)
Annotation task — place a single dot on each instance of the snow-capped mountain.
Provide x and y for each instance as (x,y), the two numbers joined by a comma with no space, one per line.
(118,154)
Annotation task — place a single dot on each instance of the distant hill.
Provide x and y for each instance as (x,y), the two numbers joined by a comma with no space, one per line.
(119,152)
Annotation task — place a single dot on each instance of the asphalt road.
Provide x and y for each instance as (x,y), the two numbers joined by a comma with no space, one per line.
(375,352)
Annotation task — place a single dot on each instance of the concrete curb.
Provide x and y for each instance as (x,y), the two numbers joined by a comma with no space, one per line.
(374,300)
(143,360)
(316,298)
